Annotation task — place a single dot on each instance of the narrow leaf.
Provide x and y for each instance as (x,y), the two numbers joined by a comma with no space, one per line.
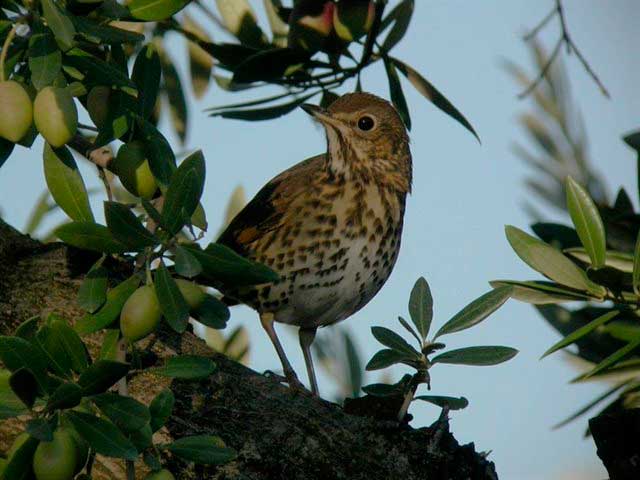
(146,76)
(172,303)
(385,358)
(65,183)
(586,219)
(39,428)
(160,408)
(396,93)
(93,291)
(155,10)
(67,395)
(453,403)
(581,332)
(126,228)
(186,265)
(391,339)
(476,311)
(188,367)
(202,449)
(477,356)
(614,358)
(90,236)
(24,385)
(184,192)
(125,412)
(101,375)
(59,23)
(636,267)
(421,307)
(102,436)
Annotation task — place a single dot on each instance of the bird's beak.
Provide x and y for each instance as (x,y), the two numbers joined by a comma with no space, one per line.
(321,114)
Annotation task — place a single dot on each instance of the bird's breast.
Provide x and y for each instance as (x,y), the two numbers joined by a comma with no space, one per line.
(333,251)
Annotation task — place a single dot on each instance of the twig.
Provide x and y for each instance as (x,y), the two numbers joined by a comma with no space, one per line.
(566,40)
(543,71)
(107,185)
(5,49)
(101,156)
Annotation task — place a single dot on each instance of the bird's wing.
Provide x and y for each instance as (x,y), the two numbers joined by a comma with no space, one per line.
(265,212)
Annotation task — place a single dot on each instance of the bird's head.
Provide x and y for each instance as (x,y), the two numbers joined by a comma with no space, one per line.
(366,138)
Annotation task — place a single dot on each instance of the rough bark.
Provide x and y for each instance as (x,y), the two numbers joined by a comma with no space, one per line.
(278,433)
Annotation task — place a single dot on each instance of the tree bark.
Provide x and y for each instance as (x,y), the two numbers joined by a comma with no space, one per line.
(278,433)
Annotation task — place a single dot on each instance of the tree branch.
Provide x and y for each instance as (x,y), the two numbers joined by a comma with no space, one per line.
(278,434)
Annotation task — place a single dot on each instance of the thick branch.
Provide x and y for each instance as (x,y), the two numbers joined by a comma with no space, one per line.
(278,434)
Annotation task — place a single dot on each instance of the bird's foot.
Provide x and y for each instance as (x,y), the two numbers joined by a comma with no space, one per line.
(290,378)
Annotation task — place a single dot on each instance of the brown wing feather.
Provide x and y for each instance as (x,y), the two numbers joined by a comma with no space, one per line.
(265,211)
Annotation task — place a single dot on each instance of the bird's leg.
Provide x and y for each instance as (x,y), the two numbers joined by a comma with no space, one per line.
(306,336)
(267,321)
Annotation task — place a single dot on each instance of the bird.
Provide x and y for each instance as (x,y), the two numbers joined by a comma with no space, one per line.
(330,226)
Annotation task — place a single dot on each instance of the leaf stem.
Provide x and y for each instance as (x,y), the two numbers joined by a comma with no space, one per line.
(5,49)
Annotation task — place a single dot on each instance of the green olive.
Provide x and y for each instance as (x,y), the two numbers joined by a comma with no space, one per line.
(98,104)
(353,19)
(193,293)
(132,166)
(17,111)
(82,448)
(55,115)
(57,459)
(140,314)
(163,474)
(3,465)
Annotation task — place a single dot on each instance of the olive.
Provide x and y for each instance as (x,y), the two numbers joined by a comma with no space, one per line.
(57,459)
(55,115)
(163,474)
(140,314)
(17,111)
(353,18)
(132,167)
(193,293)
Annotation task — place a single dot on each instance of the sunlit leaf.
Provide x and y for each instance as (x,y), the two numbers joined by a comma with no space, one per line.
(540,293)
(154,10)
(240,20)
(586,219)
(476,311)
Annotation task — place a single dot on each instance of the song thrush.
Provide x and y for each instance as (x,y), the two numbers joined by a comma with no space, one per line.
(330,226)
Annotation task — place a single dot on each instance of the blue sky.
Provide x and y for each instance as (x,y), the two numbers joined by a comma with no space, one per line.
(464,194)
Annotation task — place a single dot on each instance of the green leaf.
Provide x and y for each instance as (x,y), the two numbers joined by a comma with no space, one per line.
(391,339)
(269,65)
(45,60)
(65,183)
(51,347)
(102,436)
(28,328)
(453,403)
(212,313)
(160,408)
(90,236)
(586,219)
(126,228)
(19,465)
(240,20)
(200,61)
(476,311)
(67,395)
(10,404)
(476,356)
(39,428)
(24,385)
(431,93)
(155,10)
(184,192)
(410,329)
(421,307)
(385,358)
(187,367)
(186,265)
(93,291)
(116,297)
(220,263)
(96,71)
(146,76)
(613,359)
(202,449)
(162,160)
(59,23)
(109,347)
(401,18)
(581,332)
(267,113)
(636,267)
(125,412)
(101,375)
(71,344)
(550,262)
(396,93)
(103,33)
(175,94)
(18,353)
(619,260)
(172,303)
(540,293)
(385,390)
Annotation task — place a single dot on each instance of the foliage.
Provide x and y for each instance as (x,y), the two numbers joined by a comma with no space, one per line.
(595,261)
(399,351)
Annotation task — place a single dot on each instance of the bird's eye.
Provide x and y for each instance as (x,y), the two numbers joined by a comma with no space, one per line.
(366,123)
